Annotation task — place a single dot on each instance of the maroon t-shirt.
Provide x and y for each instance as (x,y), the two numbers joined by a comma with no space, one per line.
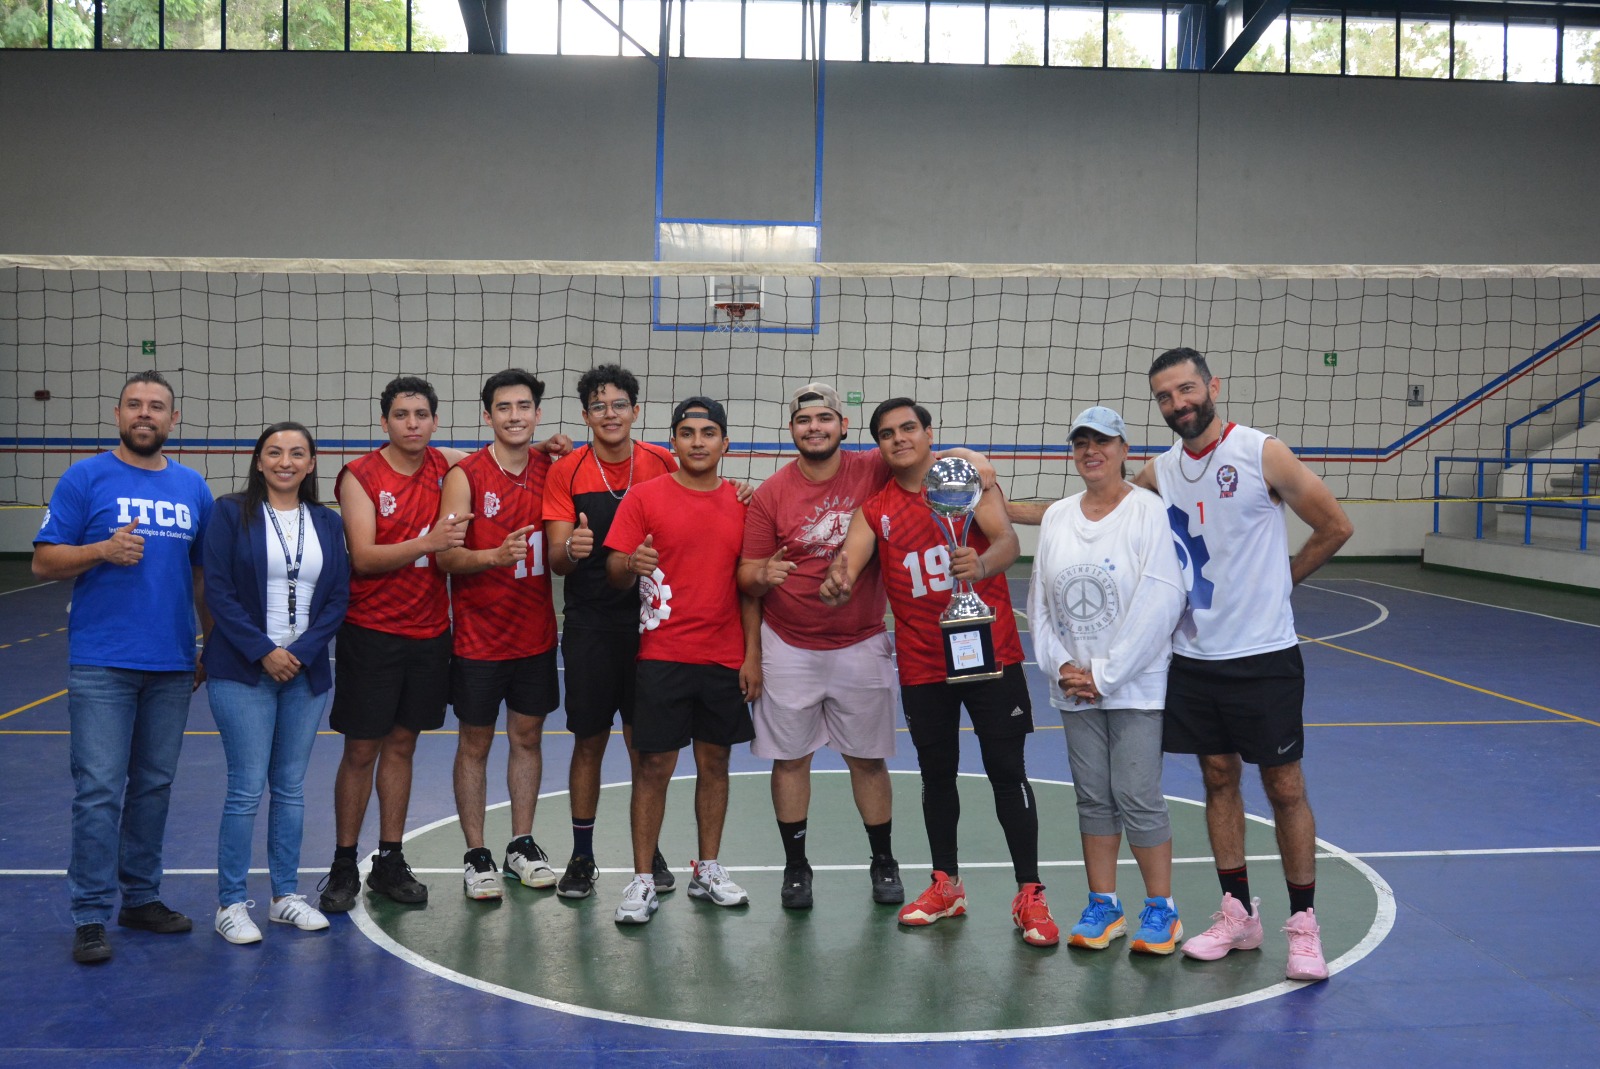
(811,519)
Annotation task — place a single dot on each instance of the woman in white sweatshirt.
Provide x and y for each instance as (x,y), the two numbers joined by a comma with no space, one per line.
(1105,596)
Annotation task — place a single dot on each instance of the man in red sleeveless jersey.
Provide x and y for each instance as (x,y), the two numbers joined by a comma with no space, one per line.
(505,627)
(678,539)
(600,630)
(919,571)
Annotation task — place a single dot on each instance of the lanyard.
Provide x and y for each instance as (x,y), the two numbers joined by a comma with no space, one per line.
(291,569)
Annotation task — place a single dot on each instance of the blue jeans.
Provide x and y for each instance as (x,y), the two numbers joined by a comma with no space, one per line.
(267,732)
(127,731)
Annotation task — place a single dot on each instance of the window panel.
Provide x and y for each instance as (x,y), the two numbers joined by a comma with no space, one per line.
(711,28)
(531,27)
(1580,55)
(897,32)
(955,33)
(844,31)
(1170,57)
(24,24)
(1077,35)
(1266,55)
(316,25)
(1480,51)
(642,20)
(1314,44)
(130,24)
(255,25)
(584,32)
(376,25)
(74,24)
(1369,46)
(1016,35)
(195,24)
(1133,38)
(1424,48)
(772,29)
(1531,50)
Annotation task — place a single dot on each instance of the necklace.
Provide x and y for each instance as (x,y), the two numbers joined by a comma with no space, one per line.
(632,455)
(1211,454)
(523,484)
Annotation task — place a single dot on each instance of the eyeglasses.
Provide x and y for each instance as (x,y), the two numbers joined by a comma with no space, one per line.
(620,408)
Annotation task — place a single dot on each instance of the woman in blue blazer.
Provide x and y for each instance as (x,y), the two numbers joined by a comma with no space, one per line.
(277,581)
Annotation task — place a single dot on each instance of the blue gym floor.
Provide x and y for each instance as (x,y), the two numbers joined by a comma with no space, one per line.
(1453,747)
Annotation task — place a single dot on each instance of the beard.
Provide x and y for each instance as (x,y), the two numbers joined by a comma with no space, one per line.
(824,452)
(148,449)
(1196,419)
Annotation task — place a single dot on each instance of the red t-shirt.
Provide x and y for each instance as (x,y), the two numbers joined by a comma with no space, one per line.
(412,601)
(811,520)
(916,570)
(689,609)
(504,613)
(575,485)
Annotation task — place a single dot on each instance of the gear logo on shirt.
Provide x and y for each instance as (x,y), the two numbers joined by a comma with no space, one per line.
(491,504)
(1193,556)
(1228,479)
(46,522)
(655,601)
(386,503)
(1086,600)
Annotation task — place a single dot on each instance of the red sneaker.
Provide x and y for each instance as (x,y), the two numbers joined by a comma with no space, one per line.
(1032,914)
(943,898)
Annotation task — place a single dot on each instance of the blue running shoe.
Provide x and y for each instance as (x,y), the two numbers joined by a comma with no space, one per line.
(1159,928)
(1102,921)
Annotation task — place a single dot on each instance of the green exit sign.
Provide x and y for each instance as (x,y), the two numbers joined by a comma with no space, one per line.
(853,397)
(1330,359)
(148,347)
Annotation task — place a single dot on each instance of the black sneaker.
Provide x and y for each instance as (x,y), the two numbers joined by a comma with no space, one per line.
(886,887)
(154,917)
(340,886)
(391,876)
(89,944)
(796,892)
(578,880)
(665,880)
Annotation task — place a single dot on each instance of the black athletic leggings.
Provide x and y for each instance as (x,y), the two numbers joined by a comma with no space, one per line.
(1014,801)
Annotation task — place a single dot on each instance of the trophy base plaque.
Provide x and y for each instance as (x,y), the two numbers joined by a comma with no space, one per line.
(969,650)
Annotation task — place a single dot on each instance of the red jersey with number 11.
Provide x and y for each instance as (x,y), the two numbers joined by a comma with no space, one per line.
(915,559)
(502,614)
(410,602)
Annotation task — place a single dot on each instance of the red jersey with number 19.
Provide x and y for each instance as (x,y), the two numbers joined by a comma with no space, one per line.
(410,602)
(502,614)
(916,571)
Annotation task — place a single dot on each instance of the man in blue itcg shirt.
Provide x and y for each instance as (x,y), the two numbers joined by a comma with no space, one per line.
(127,527)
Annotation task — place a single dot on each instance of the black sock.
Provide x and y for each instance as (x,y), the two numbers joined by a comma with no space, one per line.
(1302,898)
(1236,882)
(345,853)
(878,839)
(387,848)
(793,833)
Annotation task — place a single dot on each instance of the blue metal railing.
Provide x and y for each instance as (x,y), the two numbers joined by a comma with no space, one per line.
(1580,392)
(1587,501)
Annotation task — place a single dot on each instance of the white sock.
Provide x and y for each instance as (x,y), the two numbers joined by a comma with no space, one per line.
(648,878)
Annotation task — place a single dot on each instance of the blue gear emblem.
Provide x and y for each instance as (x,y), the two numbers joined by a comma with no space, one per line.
(1193,556)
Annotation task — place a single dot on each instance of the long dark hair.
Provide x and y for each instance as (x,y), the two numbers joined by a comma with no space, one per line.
(255,483)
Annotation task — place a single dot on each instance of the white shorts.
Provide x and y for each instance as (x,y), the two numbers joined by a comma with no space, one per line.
(844,699)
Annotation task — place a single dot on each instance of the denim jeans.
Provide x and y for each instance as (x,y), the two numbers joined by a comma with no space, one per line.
(267,732)
(127,731)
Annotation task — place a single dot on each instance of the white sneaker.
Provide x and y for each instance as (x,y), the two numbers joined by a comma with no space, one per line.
(638,903)
(234,924)
(711,882)
(480,877)
(295,910)
(528,863)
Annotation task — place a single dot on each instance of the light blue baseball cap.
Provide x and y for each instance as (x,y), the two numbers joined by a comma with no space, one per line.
(1099,418)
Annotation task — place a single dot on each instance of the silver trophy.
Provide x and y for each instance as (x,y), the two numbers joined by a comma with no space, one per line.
(952,489)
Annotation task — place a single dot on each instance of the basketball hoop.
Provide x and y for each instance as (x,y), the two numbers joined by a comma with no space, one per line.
(731,315)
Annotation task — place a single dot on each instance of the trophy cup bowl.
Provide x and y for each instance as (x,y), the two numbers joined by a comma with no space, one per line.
(952,490)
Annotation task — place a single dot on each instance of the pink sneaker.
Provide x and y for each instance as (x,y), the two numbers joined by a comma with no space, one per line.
(1305,947)
(1231,929)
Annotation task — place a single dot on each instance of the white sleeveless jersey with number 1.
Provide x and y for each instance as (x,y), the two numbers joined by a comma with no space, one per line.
(1233,547)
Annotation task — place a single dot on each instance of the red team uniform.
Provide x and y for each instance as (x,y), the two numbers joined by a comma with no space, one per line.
(504,614)
(410,602)
(915,559)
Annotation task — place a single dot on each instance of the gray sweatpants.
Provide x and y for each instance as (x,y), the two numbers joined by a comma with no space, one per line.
(1115,756)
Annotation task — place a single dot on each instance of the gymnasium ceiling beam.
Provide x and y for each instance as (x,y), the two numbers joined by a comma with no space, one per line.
(486,25)
(1252,17)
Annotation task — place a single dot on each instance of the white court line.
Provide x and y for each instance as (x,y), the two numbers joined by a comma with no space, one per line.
(1383,614)
(25,589)
(1464,601)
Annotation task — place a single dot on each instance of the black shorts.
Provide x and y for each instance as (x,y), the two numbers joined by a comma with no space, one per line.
(999,708)
(526,684)
(383,681)
(683,703)
(1251,706)
(600,677)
